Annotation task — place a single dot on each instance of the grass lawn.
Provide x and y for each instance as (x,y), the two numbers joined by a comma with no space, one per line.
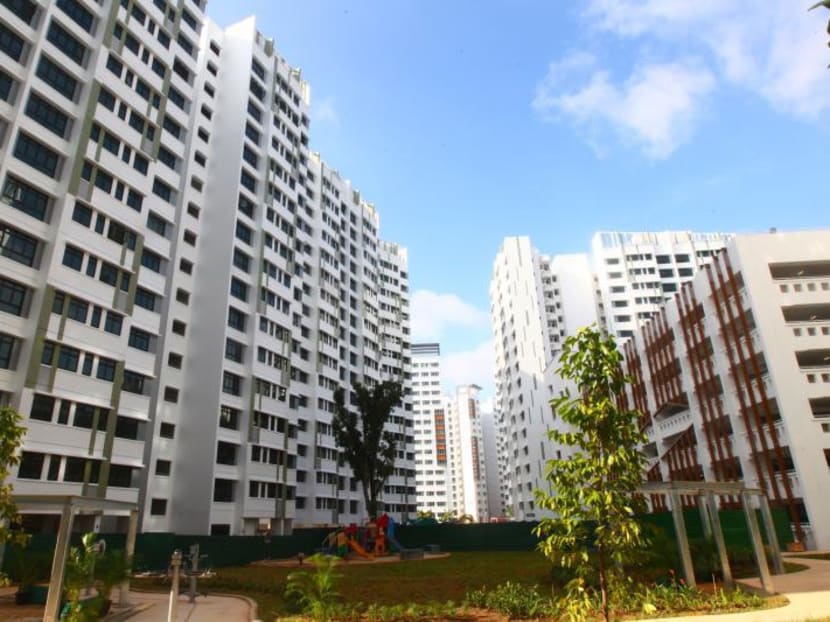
(423,581)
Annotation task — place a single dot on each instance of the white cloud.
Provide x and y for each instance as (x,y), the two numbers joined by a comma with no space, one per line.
(432,314)
(325,111)
(655,109)
(775,50)
(469,367)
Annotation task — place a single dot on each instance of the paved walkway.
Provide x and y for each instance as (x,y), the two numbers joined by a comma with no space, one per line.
(152,607)
(808,592)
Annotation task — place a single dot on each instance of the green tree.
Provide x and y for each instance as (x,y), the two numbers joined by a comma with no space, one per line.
(11,436)
(369,448)
(826,5)
(593,491)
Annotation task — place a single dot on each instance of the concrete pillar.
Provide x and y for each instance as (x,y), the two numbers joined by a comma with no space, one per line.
(704,516)
(772,537)
(132,529)
(717,533)
(53,599)
(173,606)
(757,544)
(682,539)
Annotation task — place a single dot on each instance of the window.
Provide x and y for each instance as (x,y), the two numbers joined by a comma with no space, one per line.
(226,453)
(162,467)
(177,98)
(6,351)
(158,507)
(171,394)
(167,430)
(186,266)
(247,180)
(82,214)
(189,237)
(171,127)
(84,416)
(68,358)
(10,43)
(6,84)
(182,296)
(157,224)
(113,323)
(36,155)
(241,260)
(139,339)
(24,9)
(145,299)
(223,491)
(167,158)
(66,43)
(43,407)
(234,350)
(174,360)
(77,310)
(239,289)
(140,163)
(252,133)
(57,78)
(151,260)
(162,190)
(236,319)
(17,246)
(231,383)
(46,114)
(12,297)
(106,371)
(31,465)
(77,13)
(25,198)
(243,233)
(133,382)
(229,418)
(108,274)
(179,327)
(73,258)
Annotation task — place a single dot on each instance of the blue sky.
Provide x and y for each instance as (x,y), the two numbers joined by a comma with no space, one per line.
(467,121)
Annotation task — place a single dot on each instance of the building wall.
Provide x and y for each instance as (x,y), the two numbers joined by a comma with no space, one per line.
(733,376)
(468,475)
(200,282)
(431,436)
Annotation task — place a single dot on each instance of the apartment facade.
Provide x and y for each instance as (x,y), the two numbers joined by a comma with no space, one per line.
(467,465)
(431,427)
(636,273)
(536,301)
(184,285)
(732,376)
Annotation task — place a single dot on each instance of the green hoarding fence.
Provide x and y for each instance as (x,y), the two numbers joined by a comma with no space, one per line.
(153,550)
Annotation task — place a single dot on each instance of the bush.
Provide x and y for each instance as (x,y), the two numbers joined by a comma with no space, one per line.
(514,600)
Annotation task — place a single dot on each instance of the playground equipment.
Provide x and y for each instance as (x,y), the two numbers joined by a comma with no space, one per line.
(369,541)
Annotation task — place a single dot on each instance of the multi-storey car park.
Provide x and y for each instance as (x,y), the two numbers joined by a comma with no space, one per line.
(183,283)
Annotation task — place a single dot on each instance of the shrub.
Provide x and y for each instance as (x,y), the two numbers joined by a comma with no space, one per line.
(514,600)
(315,592)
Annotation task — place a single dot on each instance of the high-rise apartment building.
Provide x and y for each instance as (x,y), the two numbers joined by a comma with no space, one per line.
(467,472)
(732,376)
(184,285)
(430,414)
(637,272)
(490,436)
(538,300)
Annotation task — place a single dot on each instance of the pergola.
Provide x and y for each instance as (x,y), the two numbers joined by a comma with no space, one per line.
(704,494)
(68,507)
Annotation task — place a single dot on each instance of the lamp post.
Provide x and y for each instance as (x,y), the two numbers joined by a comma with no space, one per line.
(173,608)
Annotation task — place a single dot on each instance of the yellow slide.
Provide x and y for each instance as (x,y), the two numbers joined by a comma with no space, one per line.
(359,549)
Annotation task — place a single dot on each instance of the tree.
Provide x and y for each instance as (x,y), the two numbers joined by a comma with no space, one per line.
(11,436)
(368,446)
(826,5)
(593,491)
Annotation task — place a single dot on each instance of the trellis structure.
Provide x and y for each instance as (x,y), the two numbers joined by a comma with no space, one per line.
(68,507)
(704,494)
